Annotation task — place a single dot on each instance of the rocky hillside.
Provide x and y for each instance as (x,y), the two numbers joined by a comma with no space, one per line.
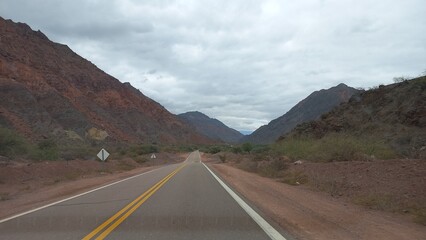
(310,108)
(211,127)
(395,114)
(48,90)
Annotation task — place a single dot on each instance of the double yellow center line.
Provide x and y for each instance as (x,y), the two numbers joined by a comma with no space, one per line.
(113,222)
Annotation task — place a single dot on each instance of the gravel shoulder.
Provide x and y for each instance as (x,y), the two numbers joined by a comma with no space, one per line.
(306,214)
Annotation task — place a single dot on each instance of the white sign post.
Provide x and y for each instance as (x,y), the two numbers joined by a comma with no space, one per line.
(103,155)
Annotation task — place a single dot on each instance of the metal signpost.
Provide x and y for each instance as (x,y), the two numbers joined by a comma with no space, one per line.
(103,155)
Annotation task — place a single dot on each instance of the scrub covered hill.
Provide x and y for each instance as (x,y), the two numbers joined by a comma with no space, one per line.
(393,115)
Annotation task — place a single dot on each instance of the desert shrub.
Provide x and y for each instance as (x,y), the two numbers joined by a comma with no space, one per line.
(400,79)
(46,150)
(236,150)
(260,149)
(294,178)
(375,201)
(335,147)
(248,165)
(186,148)
(272,168)
(222,158)
(247,147)
(125,166)
(78,151)
(147,149)
(213,149)
(11,144)
(122,152)
(137,150)
(140,159)
(296,148)
(419,215)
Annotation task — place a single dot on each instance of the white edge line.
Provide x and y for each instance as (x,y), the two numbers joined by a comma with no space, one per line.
(269,230)
(75,196)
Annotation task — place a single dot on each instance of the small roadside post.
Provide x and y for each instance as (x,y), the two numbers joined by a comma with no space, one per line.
(103,155)
(153,156)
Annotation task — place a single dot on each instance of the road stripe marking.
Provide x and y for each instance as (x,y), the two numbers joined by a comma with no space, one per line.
(134,205)
(72,197)
(269,230)
(76,196)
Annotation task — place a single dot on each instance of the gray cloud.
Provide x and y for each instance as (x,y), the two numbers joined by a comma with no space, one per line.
(243,62)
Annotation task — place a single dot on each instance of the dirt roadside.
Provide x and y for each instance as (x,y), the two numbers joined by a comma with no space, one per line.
(306,214)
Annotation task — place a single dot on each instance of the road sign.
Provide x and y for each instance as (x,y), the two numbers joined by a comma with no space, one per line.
(103,155)
(153,156)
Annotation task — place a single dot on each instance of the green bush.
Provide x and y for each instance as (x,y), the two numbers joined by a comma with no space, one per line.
(214,149)
(46,150)
(260,149)
(137,150)
(247,147)
(237,150)
(11,144)
(147,149)
(77,151)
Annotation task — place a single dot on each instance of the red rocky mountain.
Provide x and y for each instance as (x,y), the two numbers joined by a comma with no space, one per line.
(46,89)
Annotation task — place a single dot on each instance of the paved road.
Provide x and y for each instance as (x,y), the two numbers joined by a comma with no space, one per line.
(180,201)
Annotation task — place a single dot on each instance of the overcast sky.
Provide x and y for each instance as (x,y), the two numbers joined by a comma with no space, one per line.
(242,62)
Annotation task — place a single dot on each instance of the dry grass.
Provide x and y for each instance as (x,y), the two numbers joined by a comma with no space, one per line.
(247,165)
(419,215)
(125,166)
(4,196)
(376,201)
(294,178)
(140,159)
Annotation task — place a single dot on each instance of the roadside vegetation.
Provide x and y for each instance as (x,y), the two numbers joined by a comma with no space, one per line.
(334,147)
(342,164)
(12,145)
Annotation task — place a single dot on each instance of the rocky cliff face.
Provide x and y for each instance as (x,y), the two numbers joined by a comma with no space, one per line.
(47,89)
(210,127)
(308,109)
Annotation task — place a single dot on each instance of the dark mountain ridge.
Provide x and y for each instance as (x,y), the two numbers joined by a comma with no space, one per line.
(310,108)
(211,127)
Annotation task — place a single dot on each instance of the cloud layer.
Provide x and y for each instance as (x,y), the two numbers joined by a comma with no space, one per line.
(243,62)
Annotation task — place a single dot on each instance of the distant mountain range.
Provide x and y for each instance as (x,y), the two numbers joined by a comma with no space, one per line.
(394,114)
(310,108)
(47,90)
(246,132)
(210,127)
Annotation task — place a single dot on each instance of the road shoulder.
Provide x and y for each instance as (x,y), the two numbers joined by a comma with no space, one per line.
(311,215)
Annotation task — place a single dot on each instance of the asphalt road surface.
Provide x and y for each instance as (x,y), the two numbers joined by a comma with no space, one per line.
(179,201)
